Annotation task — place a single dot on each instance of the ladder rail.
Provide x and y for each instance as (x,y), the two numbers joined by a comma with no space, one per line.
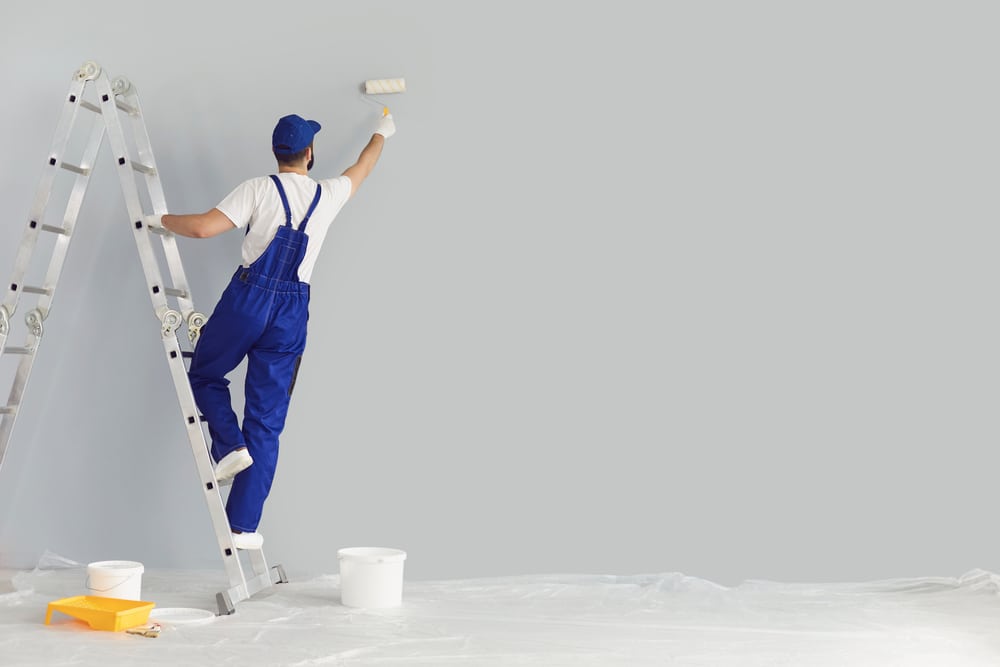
(206,472)
(10,412)
(70,215)
(154,187)
(171,319)
(133,204)
(25,252)
(29,242)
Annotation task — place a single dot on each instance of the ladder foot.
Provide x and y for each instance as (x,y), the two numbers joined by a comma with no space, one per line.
(278,575)
(226,607)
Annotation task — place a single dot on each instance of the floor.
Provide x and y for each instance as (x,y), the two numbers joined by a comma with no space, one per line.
(655,619)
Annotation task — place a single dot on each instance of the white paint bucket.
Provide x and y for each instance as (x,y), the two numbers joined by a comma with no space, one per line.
(371,577)
(120,579)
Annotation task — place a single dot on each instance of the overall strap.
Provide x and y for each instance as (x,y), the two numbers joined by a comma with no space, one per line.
(312,207)
(284,201)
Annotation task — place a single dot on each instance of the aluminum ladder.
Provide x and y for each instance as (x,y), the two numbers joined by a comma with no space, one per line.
(116,111)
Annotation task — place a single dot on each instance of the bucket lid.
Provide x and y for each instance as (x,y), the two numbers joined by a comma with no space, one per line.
(182,616)
(372,555)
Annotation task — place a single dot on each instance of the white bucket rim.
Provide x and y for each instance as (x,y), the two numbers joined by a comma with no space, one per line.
(372,555)
(116,566)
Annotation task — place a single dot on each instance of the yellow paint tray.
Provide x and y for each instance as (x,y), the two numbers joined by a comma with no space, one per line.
(103,613)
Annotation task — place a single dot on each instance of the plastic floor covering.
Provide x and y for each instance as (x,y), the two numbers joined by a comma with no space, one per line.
(656,619)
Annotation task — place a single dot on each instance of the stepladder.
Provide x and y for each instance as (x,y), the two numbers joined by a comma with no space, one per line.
(98,106)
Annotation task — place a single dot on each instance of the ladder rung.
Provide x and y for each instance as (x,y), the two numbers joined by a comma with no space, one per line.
(126,108)
(143,168)
(55,230)
(36,290)
(72,167)
(8,409)
(92,107)
(162,231)
(19,350)
(170,291)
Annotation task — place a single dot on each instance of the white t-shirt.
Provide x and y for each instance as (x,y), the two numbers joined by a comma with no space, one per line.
(256,202)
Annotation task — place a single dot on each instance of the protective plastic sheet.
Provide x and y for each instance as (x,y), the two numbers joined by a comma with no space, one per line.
(659,619)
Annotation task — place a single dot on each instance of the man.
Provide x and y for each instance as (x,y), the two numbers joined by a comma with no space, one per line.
(262,314)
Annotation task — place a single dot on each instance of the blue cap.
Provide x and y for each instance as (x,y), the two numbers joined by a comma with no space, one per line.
(292,134)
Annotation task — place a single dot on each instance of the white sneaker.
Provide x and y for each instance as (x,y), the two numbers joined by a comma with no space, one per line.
(232,463)
(248,540)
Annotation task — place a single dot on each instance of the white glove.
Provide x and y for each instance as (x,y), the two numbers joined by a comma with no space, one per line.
(386,126)
(154,220)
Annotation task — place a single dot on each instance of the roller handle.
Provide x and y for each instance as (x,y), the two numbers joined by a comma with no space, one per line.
(383,86)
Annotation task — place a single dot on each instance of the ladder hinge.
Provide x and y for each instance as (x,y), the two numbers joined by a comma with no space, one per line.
(34,321)
(88,71)
(195,322)
(171,320)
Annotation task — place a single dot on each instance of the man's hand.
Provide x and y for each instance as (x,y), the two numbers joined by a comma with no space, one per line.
(386,126)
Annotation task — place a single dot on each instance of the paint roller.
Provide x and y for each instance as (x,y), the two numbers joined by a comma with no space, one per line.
(384,87)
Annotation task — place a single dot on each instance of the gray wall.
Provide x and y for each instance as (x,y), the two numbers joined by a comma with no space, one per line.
(705,288)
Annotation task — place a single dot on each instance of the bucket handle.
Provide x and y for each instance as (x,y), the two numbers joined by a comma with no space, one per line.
(105,590)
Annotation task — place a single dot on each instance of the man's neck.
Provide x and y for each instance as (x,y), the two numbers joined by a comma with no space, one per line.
(301,169)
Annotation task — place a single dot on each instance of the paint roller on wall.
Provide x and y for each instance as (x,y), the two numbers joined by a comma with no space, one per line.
(383,87)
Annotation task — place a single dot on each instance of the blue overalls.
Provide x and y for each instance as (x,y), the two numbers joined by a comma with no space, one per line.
(262,316)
